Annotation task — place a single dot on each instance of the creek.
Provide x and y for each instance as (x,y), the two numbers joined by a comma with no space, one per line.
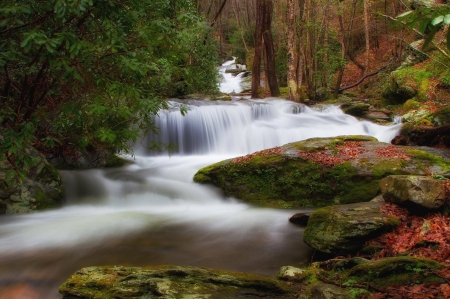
(150,212)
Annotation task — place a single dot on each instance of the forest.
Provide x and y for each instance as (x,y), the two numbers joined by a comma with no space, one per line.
(119,153)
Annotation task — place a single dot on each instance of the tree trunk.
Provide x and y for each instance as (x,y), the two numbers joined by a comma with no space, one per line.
(269,51)
(291,53)
(256,69)
(367,33)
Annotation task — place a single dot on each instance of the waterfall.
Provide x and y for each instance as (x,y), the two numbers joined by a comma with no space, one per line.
(246,126)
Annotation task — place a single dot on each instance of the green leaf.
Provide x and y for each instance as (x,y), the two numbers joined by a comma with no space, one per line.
(447,19)
(438,20)
(405,14)
(430,36)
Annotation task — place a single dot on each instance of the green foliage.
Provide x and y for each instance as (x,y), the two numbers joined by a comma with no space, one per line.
(428,21)
(78,76)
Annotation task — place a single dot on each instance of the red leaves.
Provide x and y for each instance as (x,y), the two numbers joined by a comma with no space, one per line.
(333,156)
(271,151)
(420,291)
(421,237)
(391,152)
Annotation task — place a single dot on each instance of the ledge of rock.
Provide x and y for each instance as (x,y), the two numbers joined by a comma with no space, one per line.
(345,228)
(169,282)
(416,192)
(318,172)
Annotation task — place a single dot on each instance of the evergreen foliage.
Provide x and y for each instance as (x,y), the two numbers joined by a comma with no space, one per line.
(87,75)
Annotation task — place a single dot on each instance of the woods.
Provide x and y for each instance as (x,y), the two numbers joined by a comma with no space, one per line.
(83,77)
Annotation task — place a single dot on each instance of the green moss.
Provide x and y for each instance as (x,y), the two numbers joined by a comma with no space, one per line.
(430,158)
(410,105)
(396,271)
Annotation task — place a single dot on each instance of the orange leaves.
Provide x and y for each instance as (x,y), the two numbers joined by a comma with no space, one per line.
(421,237)
(271,151)
(391,152)
(420,291)
(333,156)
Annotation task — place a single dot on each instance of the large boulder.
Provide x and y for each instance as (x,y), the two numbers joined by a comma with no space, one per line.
(418,192)
(40,188)
(169,282)
(346,228)
(318,172)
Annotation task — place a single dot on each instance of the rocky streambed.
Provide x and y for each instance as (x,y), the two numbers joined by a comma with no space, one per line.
(368,191)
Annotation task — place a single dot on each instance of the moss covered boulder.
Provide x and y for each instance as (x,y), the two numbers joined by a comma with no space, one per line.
(346,228)
(317,172)
(169,282)
(39,189)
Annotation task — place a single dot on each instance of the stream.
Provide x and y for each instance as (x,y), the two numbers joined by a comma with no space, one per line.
(150,212)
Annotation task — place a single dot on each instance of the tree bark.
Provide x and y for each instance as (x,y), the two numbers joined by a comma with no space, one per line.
(256,69)
(292,79)
(367,32)
(269,51)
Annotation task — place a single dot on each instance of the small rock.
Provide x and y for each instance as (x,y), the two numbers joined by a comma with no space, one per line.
(300,218)
(289,273)
(415,192)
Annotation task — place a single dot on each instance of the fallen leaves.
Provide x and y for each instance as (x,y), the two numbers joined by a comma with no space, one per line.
(271,151)
(391,152)
(417,236)
(338,154)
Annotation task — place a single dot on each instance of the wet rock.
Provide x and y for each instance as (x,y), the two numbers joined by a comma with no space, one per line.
(355,109)
(399,140)
(317,172)
(300,218)
(40,189)
(345,228)
(169,282)
(428,136)
(416,192)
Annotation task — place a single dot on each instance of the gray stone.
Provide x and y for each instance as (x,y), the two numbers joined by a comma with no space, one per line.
(345,228)
(414,191)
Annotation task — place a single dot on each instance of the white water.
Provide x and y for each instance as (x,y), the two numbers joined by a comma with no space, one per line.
(230,83)
(151,212)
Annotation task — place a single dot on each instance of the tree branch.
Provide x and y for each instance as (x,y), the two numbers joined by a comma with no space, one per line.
(364,78)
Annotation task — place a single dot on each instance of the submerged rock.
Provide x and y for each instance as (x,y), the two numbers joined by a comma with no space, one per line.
(318,172)
(300,218)
(40,189)
(169,282)
(345,228)
(417,192)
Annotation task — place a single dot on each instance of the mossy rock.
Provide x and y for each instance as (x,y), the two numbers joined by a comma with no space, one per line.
(441,116)
(286,177)
(410,105)
(115,161)
(117,282)
(396,271)
(346,228)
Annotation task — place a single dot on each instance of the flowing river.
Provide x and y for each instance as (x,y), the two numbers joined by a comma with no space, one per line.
(150,212)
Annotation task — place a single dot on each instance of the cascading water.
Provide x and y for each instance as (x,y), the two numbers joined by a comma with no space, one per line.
(150,212)
(230,82)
